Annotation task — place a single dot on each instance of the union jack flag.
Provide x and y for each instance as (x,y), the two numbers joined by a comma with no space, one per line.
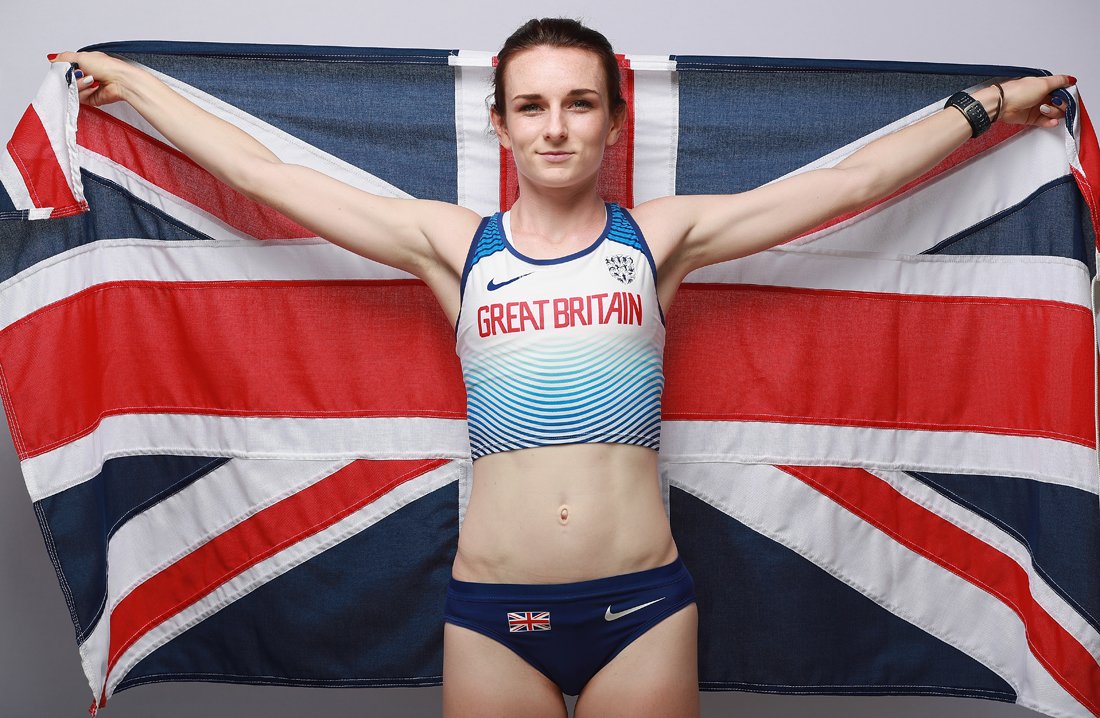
(879,440)
(528,621)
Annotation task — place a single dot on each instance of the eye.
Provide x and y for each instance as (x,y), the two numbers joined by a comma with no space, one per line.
(584,104)
(530,107)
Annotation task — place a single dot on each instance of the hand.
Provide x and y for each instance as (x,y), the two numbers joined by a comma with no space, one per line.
(1028,100)
(104,76)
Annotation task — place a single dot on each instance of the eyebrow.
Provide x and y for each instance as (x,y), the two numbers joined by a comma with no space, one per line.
(537,96)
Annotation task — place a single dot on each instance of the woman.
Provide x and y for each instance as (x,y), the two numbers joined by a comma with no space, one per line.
(558,313)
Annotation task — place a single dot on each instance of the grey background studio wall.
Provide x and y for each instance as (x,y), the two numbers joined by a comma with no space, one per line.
(41,673)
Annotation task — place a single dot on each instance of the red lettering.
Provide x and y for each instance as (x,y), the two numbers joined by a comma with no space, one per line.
(576,307)
(635,308)
(541,304)
(615,307)
(562,316)
(510,310)
(483,327)
(597,316)
(496,314)
(525,316)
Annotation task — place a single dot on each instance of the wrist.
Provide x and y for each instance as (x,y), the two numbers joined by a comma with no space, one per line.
(136,85)
(990,98)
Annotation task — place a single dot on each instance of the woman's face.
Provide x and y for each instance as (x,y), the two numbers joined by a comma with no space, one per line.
(558,116)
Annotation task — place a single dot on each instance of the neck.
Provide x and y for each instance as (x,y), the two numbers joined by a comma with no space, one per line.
(557,216)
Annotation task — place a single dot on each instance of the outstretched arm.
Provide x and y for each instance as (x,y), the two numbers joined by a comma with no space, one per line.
(706,229)
(408,234)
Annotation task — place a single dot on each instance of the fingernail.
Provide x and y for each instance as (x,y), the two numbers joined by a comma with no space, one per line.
(87,80)
(1072,80)
(1056,101)
(78,74)
(51,56)
(1045,109)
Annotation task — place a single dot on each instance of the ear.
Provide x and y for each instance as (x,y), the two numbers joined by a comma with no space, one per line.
(501,128)
(618,120)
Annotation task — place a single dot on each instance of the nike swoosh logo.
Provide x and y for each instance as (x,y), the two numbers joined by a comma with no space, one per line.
(492,286)
(610,616)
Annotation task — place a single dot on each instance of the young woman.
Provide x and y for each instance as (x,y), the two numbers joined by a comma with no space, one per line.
(567,577)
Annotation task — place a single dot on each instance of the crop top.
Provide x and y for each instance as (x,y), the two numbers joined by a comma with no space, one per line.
(561,351)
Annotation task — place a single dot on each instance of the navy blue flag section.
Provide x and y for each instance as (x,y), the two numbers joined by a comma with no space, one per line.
(247,447)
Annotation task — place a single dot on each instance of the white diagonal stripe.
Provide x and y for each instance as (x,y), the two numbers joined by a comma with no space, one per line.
(284,145)
(788,511)
(278,564)
(1068,616)
(166,532)
(12,180)
(177,208)
(995,180)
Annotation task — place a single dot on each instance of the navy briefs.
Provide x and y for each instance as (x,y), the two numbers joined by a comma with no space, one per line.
(569,631)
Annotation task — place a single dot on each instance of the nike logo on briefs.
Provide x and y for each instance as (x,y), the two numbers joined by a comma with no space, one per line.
(609,616)
(492,287)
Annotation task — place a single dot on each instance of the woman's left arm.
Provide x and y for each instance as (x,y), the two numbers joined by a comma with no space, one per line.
(705,229)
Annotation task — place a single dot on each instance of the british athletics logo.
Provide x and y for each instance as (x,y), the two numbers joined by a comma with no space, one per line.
(528,621)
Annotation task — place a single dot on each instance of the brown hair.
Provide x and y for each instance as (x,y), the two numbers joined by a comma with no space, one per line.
(558,32)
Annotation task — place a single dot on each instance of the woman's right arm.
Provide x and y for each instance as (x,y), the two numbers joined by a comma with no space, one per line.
(409,234)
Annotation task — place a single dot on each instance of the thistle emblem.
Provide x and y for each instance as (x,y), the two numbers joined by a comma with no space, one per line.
(621,267)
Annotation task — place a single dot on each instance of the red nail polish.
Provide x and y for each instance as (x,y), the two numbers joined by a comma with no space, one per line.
(52,56)
(1072,80)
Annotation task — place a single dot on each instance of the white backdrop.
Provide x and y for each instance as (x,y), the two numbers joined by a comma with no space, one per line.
(41,674)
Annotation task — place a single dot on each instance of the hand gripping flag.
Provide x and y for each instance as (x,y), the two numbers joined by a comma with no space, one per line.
(246,446)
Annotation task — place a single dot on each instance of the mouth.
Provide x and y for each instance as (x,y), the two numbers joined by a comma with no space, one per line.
(555,156)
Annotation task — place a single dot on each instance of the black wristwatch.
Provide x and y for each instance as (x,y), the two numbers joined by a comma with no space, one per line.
(972,110)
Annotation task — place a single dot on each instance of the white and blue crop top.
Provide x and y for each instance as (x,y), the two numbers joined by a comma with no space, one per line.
(561,351)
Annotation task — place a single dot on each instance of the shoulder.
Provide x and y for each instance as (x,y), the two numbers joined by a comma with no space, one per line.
(663,222)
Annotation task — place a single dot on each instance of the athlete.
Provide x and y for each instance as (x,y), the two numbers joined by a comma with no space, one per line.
(566,576)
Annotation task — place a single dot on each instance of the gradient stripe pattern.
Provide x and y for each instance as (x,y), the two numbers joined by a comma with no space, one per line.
(219,416)
(590,391)
(561,351)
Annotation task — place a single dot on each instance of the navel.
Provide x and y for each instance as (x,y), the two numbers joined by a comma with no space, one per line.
(563,515)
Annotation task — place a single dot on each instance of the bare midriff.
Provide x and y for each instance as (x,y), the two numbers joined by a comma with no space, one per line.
(560,514)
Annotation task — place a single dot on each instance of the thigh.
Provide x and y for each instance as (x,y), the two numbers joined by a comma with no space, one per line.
(485,679)
(657,674)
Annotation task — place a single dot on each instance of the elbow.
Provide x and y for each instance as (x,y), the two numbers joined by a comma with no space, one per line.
(255,178)
(864,186)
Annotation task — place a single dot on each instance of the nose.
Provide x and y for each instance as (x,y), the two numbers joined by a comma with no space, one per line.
(555,129)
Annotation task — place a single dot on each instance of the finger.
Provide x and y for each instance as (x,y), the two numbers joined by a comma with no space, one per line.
(62,57)
(1051,116)
(1057,82)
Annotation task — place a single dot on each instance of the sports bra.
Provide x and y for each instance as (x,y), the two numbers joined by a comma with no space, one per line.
(561,351)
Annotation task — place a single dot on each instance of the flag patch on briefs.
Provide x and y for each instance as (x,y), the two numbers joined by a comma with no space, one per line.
(528,621)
